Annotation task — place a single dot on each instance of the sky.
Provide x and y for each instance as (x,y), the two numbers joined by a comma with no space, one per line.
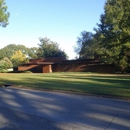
(61,21)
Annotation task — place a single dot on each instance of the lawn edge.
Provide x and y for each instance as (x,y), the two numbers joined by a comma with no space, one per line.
(72,92)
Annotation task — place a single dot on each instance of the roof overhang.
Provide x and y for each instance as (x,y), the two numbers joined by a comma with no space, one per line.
(38,63)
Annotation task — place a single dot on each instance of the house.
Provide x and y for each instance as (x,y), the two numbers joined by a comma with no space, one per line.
(60,64)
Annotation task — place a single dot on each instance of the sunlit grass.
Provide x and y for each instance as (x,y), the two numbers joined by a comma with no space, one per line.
(99,84)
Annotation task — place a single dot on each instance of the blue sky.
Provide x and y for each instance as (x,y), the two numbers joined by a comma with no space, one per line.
(60,20)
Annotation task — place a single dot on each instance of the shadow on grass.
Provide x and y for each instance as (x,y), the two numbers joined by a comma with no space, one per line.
(100,85)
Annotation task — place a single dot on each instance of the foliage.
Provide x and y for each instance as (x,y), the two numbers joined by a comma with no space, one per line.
(18,57)
(86,45)
(5,64)
(48,48)
(112,36)
(4,15)
(114,31)
(32,52)
(9,50)
(83,44)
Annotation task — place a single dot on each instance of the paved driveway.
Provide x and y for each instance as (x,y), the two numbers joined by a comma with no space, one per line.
(39,110)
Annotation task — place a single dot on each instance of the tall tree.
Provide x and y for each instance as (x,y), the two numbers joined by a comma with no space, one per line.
(48,48)
(114,31)
(4,15)
(112,37)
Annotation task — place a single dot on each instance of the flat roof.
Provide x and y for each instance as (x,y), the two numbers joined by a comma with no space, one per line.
(81,61)
(38,63)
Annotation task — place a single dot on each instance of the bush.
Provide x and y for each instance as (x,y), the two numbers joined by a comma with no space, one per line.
(5,63)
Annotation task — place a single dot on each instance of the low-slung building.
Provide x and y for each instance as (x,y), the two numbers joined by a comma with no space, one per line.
(60,64)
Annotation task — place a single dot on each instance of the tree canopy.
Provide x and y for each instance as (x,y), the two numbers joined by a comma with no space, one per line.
(112,36)
(9,50)
(114,31)
(13,51)
(86,45)
(4,15)
(18,58)
(48,48)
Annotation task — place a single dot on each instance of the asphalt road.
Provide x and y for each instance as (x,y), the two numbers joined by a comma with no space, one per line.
(38,110)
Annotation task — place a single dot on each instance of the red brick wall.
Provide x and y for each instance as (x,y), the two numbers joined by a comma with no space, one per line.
(47,69)
(24,68)
(62,65)
(69,68)
(36,68)
(83,68)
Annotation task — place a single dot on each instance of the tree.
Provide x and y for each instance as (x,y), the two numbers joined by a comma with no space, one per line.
(84,45)
(48,48)
(114,31)
(87,45)
(5,64)
(32,52)
(4,15)
(112,36)
(18,58)
(9,50)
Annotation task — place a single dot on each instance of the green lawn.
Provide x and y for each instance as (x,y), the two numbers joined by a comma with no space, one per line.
(99,84)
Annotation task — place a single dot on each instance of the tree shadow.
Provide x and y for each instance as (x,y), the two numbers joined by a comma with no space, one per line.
(105,86)
(29,109)
(16,108)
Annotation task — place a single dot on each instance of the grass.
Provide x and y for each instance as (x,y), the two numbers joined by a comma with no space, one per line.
(98,84)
